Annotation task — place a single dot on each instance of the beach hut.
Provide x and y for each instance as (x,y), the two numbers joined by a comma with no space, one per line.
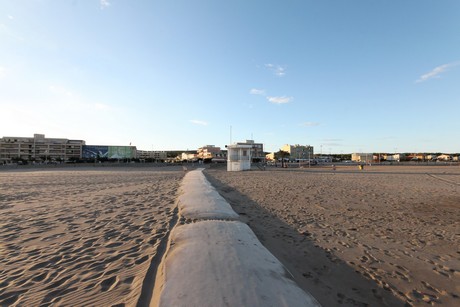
(238,157)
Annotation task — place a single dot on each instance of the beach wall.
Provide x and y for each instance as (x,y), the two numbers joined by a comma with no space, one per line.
(213,259)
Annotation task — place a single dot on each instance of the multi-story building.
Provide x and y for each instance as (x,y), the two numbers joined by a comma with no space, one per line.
(363,157)
(188,156)
(299,152)
(152,155)
(257,150)
(208,152)
(39,148)
(108,152)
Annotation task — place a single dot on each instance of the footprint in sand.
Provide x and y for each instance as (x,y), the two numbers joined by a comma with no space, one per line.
(141,260)
(9,298)
(402,275)
(128,280)
(40,277)
(434,289)
(92,276)
(114,244)
(427,298)
(108,283)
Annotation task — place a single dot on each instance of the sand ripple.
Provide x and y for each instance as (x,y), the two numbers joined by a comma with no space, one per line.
(398,227)
(81,237)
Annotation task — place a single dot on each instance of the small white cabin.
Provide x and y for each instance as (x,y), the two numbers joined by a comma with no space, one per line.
(238,157)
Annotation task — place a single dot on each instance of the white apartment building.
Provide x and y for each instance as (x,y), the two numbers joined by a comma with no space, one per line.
(298,152)
(362,157)
(151,154)
(39,148)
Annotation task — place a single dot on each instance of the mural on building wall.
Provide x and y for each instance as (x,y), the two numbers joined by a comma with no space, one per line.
(91,151)
(109,152)
(121,152)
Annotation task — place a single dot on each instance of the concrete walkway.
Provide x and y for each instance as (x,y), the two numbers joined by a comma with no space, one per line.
(216,260)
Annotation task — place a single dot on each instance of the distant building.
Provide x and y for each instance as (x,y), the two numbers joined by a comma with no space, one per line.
(445,157)
(189,156)
(417,157)
(208,152)
(38,148)
(220,157)
(257,150)
(151,155)
(362,157)
(299,152)
(395,157)
(108,152)
(323,158)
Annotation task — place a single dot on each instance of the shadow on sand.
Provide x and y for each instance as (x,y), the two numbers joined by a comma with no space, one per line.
(330,280)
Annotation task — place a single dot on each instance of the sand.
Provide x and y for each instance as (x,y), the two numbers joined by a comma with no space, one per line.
(386,235)
(213,259)
(83,237)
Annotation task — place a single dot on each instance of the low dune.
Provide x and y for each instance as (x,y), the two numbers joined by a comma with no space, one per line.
(385,235)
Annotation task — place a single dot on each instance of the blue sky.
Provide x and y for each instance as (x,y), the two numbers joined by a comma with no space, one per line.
(343,76)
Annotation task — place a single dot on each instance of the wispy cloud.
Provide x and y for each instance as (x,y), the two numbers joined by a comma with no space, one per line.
(330,143)
(104,4)
(255,91)
(435,73)
(10,17)
(309,124)
(278,70)
(198,122)
(279,99)
(71,100)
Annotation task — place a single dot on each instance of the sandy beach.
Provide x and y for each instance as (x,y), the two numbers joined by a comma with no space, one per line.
(386,235)
(83,237)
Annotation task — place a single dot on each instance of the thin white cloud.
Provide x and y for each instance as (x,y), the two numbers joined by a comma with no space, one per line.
(21,113)
(71,100)
(309,124)
(278,70)
(255,91)
(10,17)
(279,99)
(104,4)
(435,73)
(198,122)
(332,144)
